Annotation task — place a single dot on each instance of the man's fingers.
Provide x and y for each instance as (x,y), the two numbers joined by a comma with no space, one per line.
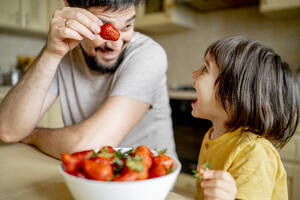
(79,28)
(87,13)
(66,33)
(81,16)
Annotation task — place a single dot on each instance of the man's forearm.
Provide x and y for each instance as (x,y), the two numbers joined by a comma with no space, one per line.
(54,142)
(69,139)
(21,108)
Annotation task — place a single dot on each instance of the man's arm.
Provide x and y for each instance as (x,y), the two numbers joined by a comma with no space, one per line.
(22,107)
(108,126)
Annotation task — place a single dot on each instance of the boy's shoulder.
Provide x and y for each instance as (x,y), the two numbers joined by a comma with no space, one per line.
(251,144)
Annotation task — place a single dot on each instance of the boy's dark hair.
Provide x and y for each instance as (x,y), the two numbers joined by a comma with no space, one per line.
(257,87)
(112,5)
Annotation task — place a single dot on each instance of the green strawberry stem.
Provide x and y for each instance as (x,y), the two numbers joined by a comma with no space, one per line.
(204,167)
(161,151)
(135,163)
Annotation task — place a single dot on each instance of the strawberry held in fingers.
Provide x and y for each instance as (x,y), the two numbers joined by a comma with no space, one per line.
(109,32)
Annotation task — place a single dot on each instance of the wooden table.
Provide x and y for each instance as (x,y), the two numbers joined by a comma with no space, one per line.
(28,174)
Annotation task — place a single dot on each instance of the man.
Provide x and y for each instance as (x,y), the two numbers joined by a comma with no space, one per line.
(111,92)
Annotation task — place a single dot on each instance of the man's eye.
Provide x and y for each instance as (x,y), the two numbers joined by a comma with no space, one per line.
(127,27)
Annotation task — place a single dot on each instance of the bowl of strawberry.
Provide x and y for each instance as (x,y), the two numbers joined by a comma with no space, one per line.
(120,173)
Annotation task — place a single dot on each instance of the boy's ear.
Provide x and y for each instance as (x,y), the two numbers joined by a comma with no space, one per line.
(66,3)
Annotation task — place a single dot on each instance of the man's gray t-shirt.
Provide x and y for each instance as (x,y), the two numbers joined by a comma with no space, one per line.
(140,76)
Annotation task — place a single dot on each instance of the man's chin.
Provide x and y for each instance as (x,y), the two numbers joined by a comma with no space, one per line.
(105,67)
(106,62)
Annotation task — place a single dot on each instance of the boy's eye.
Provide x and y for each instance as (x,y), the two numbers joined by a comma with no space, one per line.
(204,68)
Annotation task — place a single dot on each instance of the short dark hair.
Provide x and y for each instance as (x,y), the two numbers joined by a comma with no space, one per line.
(257,87)
(113,5)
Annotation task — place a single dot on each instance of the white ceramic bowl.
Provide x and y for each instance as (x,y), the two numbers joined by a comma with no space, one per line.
(149,189)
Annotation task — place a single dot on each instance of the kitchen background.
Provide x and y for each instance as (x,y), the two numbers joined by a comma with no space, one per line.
(184,28)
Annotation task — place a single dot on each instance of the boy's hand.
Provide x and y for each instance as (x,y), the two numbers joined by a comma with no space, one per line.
(218,185)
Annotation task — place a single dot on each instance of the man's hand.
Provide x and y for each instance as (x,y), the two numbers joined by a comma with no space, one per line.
(218,185)
(68,27)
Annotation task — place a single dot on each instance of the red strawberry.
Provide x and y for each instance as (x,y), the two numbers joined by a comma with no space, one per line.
(109,32)
(132,175)
(158,170)
(79,173)
(107,152)
(82,155)
(127,175)
(164,160)
(72,161)
(145,153)
(101,171)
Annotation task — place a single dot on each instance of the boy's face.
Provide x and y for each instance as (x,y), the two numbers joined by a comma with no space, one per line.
(206,105)
(106,52)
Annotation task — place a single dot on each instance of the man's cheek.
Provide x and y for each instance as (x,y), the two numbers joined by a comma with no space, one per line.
(127,36)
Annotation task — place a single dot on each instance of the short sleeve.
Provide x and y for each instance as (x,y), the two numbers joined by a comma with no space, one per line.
(254,170)
(143,73)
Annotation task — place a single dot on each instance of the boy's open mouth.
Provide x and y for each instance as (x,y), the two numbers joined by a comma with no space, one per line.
(195,100)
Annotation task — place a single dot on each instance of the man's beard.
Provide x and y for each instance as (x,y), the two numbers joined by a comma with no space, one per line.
(93,63)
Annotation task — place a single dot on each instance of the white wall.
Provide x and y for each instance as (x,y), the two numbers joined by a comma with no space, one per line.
(185,49)
(14,44)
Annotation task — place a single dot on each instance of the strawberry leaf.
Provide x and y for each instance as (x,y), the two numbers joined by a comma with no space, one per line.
(204,167)
(130,151)
(197,175)
(161,151)
(135,163)
(119,166)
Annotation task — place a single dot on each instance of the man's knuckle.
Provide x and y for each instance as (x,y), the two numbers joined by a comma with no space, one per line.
(64,31)
(78,15)
(70,22)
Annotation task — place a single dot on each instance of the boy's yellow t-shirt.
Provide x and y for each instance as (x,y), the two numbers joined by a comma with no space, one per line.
(253,162)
